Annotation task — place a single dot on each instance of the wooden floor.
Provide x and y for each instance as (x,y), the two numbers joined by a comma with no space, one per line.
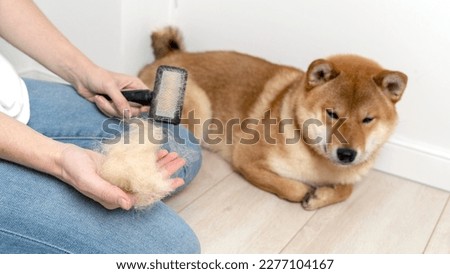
(385,214)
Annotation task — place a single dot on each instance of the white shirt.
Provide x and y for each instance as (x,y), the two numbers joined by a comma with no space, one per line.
(14,100)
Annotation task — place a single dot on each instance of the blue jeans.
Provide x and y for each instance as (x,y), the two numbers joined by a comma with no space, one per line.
(40,214)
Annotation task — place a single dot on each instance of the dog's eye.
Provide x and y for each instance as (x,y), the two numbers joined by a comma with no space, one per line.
(367,120)
(332,114)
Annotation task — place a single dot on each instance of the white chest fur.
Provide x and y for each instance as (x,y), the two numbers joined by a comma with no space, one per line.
(298,164)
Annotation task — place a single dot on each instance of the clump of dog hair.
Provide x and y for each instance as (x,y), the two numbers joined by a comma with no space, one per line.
(131,163)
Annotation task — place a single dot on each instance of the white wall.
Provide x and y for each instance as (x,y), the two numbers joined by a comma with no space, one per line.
(411,36)
(113,33)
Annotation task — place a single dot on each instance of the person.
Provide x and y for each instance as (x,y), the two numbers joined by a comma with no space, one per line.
(52,199)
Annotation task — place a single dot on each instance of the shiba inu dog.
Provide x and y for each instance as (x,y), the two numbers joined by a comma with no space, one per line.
(304,136)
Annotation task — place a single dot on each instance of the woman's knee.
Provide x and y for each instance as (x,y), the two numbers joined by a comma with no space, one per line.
(59,112)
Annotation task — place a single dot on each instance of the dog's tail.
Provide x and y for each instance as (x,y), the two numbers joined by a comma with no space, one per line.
(166,41)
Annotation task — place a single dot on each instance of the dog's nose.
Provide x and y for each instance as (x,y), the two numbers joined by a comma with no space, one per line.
(346,155)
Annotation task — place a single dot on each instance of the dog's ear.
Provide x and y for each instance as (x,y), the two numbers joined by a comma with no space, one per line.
(319,72)
(392,83)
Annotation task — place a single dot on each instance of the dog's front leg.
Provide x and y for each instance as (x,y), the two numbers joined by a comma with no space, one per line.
(326,195)
(261,176)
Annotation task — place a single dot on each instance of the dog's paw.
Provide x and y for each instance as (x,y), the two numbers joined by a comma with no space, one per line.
(306,202)
(317,198)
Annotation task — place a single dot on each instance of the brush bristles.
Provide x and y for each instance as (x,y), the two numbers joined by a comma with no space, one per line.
(167,103)
(168,98)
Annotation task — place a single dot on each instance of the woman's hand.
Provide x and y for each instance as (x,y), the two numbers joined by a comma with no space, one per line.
(79,168)
(97,82)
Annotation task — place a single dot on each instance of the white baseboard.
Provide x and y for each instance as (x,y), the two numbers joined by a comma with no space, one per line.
(417,162)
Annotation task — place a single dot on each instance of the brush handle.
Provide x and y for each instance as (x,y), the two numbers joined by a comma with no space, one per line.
(140,96)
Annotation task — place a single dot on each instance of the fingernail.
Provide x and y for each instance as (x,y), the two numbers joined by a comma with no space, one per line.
(123,203)
(126,114)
